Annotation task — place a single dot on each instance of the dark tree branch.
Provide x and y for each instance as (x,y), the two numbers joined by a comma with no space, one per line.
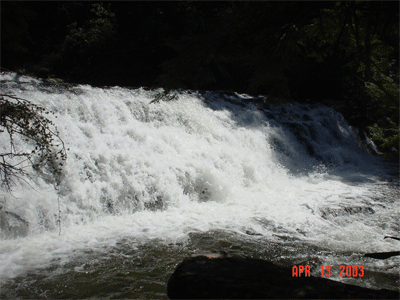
(21,117)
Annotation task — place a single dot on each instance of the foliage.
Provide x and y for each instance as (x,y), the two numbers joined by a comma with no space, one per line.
(25,123)
(337,50)
(282,49)
(354,34)
(95,32)
(86,43)
(387,137)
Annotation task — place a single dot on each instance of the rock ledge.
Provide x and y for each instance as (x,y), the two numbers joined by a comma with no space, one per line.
(239,277)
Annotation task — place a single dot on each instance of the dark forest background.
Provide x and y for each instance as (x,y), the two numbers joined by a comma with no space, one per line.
(345,54)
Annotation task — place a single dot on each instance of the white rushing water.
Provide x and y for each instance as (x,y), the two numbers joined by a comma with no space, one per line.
(205,162)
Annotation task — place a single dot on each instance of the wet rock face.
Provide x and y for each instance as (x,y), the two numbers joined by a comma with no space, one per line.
(12,225)
(246,278)
(344,211)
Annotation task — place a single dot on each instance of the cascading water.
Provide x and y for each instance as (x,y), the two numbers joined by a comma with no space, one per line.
(146,184)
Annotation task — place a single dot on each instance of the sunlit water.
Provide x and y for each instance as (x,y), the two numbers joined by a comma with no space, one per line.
(146,185)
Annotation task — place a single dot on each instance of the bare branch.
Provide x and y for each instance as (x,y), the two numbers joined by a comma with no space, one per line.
(20,117)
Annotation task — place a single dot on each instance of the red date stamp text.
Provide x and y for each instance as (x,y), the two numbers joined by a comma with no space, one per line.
(326,271)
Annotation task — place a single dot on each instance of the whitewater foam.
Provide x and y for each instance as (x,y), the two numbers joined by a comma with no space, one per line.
(164,170)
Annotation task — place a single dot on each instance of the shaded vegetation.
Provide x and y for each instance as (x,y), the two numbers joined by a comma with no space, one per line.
(347,52)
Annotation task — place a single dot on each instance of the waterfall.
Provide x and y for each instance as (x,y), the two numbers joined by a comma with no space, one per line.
(206,161)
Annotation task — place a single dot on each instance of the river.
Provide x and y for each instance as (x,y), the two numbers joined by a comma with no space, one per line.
(148,184)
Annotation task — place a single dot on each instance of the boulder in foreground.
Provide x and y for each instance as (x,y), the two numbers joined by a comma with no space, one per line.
(247,278)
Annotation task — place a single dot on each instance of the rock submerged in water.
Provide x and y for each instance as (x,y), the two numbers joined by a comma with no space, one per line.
(239,277)
(12,225)
(382,255)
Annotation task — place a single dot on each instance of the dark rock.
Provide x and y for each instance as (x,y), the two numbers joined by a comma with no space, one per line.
(12,225)
(247,278)
(382,255)
(344,211)
(54,80)
(392,237)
